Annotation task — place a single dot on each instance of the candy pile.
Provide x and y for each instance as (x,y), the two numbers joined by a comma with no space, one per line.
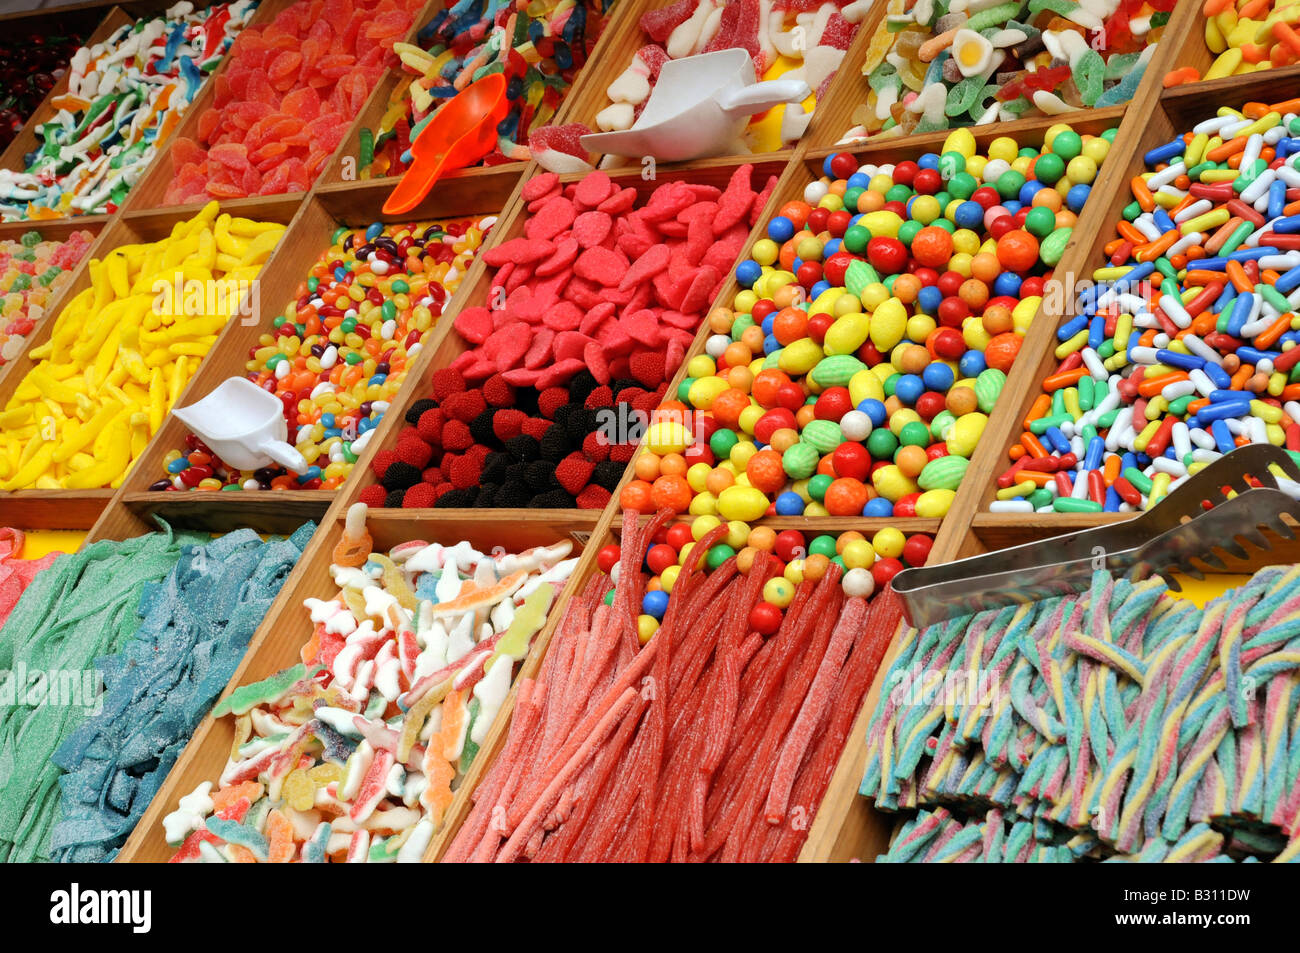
(934,65)
(593,308)
(355,753)
(16,573)
(1245,36)
(31,63)
(539,48)
(125,97)
(122,351)
(1117,722)
(287,98)
(804,41)
(32,272)
(1186,346)
(866,565)
(194,630)
(711,742)
(80,609)
(339,352)
(855,369)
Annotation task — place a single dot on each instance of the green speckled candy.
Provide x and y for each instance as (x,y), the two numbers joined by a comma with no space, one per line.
(943,473)
(800,460)
(836,370)
(988,386)
(942,423)
(1053,246)
(823,435)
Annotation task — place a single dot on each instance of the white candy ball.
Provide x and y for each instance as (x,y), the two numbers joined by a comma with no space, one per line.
(858,582)
(994,168)
(613,573)
(715,346)
(814,192)
(855,425)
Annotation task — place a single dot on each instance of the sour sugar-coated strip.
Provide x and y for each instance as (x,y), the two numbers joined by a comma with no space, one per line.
(796,743)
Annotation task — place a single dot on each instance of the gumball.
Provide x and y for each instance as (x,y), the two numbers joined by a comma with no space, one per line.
(832,404)
(845,497)
(917,549)
(655,603)
(789,544)
(884,570)
(887,255)
(841,165)
(855,425)
(765,618)
(789,504)
(1017,250)
(858,583)
(608,558)
(819,324)
(679,534)
(852,460)
(660,557)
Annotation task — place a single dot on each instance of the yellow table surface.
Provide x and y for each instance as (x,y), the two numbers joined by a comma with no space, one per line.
(42,541)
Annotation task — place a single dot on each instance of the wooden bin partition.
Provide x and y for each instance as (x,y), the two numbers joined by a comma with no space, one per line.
(309,236)
(78,509)
(451,345)
(287,627)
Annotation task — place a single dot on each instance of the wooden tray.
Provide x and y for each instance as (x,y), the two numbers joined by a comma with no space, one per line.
(287,627)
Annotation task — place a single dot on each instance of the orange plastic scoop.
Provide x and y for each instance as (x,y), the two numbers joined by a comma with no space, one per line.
(460,133)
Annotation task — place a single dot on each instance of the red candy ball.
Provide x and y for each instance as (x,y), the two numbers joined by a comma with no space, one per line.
(852,459)
(660,558)
(833,404)
(679,534)
(790,545)
(884,570)
(608,558)
(917,550)
(888,255)
(765,618)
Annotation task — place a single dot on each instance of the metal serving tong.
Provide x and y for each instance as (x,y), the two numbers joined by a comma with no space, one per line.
(1179,534)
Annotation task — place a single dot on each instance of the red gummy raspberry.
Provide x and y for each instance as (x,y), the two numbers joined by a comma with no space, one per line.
(382,461)
(594,497)
(420,496)
(446,381)
(551,400)
(464,473)
(456,435)
(507,423)
(497,392)
(536,427)
(413,450)
(602,396)
(573,472)
(373,495)
(465,406)
(595,446)
(430,425)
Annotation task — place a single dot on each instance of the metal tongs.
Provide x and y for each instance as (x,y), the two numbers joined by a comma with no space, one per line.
(1191,523)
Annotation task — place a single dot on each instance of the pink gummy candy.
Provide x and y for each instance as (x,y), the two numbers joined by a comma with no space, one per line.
(738,29)
(659,24)
(838,33)
(561,138)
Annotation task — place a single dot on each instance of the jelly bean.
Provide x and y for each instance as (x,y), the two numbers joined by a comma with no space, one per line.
(336,413)
(860,376)
(1243,37)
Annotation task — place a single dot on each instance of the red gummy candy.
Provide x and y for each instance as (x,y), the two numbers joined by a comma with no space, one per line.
(659,24)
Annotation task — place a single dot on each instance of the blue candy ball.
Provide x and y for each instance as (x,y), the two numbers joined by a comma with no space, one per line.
(972,364)
(908,388)
(1075,198)
(655,603)
(878,507)
(748,272)
(789,504)
(874,409)
(780,229)
(938,377)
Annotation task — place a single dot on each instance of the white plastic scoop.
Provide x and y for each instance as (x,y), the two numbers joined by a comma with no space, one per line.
(698,107)
(244,425)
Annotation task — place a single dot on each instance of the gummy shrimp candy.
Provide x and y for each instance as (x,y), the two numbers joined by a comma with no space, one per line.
(801,40)
(32,272)
(339,352)
(710,741)
(938,64)
(540,48)
(1115,726)
(125,97)
(287,98)
(355,753)
(121,352)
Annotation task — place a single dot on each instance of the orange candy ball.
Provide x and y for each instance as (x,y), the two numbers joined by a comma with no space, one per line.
(846,497)
(765,471)
(1002,350)
(671,492)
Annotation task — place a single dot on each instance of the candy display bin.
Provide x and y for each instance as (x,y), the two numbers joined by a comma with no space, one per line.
(26,140)
(346,166)
(287,627)
(1178,109)
(150,192)
(476,291)
(353,204)
(78,509)
(1190,52)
